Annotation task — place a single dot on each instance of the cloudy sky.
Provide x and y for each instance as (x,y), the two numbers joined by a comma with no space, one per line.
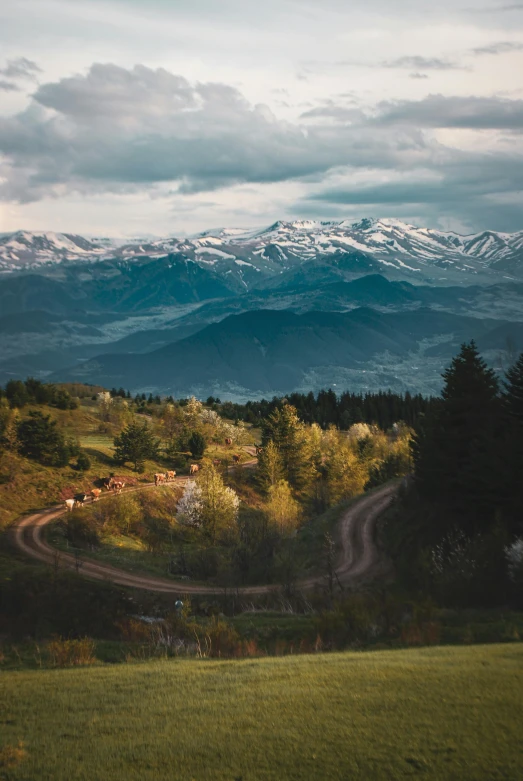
(131,117)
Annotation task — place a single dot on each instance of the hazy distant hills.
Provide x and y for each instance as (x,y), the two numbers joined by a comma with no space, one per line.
(372,304)
(274,351)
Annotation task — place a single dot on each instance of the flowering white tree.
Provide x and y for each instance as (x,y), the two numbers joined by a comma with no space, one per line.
(223,429)
(193,410)
(190,506)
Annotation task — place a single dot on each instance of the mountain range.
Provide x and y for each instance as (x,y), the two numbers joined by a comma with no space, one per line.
(378,303)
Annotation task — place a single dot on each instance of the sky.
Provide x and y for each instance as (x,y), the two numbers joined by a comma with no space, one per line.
(167,117)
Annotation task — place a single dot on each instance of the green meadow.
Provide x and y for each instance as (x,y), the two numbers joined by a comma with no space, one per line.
(434,713)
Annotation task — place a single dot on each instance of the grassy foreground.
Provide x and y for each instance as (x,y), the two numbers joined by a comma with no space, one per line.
(437,713)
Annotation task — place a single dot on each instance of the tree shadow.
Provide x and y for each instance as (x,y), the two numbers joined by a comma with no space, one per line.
(99,455)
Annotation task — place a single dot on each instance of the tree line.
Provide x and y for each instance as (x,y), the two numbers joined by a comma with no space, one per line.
(327,409)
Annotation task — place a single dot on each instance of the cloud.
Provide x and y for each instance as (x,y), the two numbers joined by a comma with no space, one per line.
(116,129)
(503,47)
(439,111)
(8,86)
(418,76)
(339,113)
(422,63)
(21,68)
(476,189)
(143,130)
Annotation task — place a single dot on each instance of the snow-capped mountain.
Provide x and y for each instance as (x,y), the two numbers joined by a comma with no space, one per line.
(392,246)
(26,248)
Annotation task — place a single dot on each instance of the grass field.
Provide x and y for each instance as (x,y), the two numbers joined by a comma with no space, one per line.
(440,713)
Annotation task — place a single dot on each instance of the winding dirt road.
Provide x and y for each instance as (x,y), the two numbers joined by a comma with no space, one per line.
(359,558)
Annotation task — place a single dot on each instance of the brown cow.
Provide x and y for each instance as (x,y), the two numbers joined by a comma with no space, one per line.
(95,493)
(236,458)
(228,441)
(117,486)
(170,475)
(259,449)
(159,478)
(193,469)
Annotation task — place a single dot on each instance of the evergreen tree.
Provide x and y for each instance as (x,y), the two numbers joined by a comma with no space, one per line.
(40,439)
(17,394)
(197,444)
(456,450)
(135,444)
(513,391)
(286,431)
(513,422)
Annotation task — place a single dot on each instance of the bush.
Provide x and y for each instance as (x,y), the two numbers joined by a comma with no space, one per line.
(71,653)
(83,462)
(80,528)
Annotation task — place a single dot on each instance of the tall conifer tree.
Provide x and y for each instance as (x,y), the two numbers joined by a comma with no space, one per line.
(457,454)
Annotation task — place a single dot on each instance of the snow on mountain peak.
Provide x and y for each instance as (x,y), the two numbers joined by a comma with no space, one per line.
(389,242)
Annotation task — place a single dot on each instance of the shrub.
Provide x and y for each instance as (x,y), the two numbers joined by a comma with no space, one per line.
(83,462)
(80,528)
(71,653)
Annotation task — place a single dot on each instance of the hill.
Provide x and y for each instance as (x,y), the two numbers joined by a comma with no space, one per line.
(443,713)
(268,351)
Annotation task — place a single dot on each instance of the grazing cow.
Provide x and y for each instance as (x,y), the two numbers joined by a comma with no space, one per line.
(236,458)
(69,505)
(107,482)
(228,441)
(117,486)
(159,478)
(259,449)
(170,475)
(79,500)
(95,493)
(193,469)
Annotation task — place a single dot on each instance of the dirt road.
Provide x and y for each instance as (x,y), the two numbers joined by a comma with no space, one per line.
(359,557)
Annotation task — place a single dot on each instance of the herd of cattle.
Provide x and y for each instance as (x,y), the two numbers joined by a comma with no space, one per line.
(110,483)
(116,485)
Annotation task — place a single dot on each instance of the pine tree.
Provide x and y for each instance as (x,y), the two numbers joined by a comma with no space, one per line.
(456,450)
(135,444)
(513,423)
(197,444)
(40,439)
(513,391)
(284,428)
